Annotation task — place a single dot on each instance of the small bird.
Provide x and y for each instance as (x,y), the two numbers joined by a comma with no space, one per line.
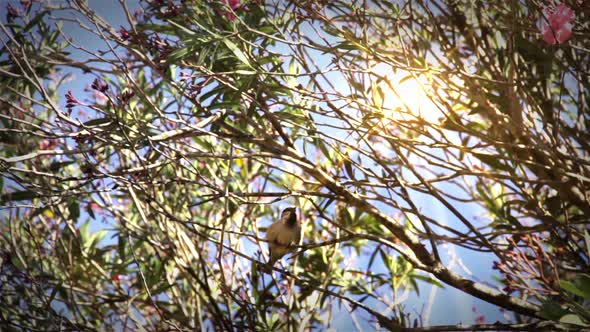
(282,234)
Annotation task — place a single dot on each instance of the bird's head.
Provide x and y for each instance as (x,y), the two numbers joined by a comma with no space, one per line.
(290,215)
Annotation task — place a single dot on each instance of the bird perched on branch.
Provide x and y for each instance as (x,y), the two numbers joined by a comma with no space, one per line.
(282,234)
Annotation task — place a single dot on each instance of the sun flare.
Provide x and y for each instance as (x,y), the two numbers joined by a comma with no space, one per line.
(405,97)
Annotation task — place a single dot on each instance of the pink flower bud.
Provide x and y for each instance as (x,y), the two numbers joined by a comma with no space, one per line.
(118,278)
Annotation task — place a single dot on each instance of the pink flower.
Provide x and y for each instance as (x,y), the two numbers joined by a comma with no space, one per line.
(118,278)
(124,34)
(95,207)
(557,23)
(99,85)
(26,4)
(71,101)
(480,319)
(12,12)
(234,5)
(48,144)
(99,97)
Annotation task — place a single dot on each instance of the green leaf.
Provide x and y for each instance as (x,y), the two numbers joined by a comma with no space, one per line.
(162,288)
(153,27)
(96,122)
(95,238)
(90,211)
(587,237)
(405,78)
(293,68)
(552,310)
(56,165)
(492,160)
(52,295)
(346,218)
(18,196)
(74,208)
(580,286)
(530,51)
(427,279)
(178,55)
(572,288)
(453,122)
(415,286)
(237,52)
(35,20)
(182,28)
(572,319)
(378,95)
(387,261)
(84,232)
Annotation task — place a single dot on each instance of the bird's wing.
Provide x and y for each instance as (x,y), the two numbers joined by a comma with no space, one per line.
(280,237)
(276,247)
(272,232)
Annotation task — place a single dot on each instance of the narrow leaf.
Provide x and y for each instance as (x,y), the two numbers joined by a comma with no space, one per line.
(238,53)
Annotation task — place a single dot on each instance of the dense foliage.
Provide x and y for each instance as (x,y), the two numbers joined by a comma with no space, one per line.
(142,162)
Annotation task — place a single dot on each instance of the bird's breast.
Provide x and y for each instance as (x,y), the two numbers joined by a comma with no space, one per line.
(286,235)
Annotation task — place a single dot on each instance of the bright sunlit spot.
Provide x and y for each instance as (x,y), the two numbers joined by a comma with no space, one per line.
(405,97)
